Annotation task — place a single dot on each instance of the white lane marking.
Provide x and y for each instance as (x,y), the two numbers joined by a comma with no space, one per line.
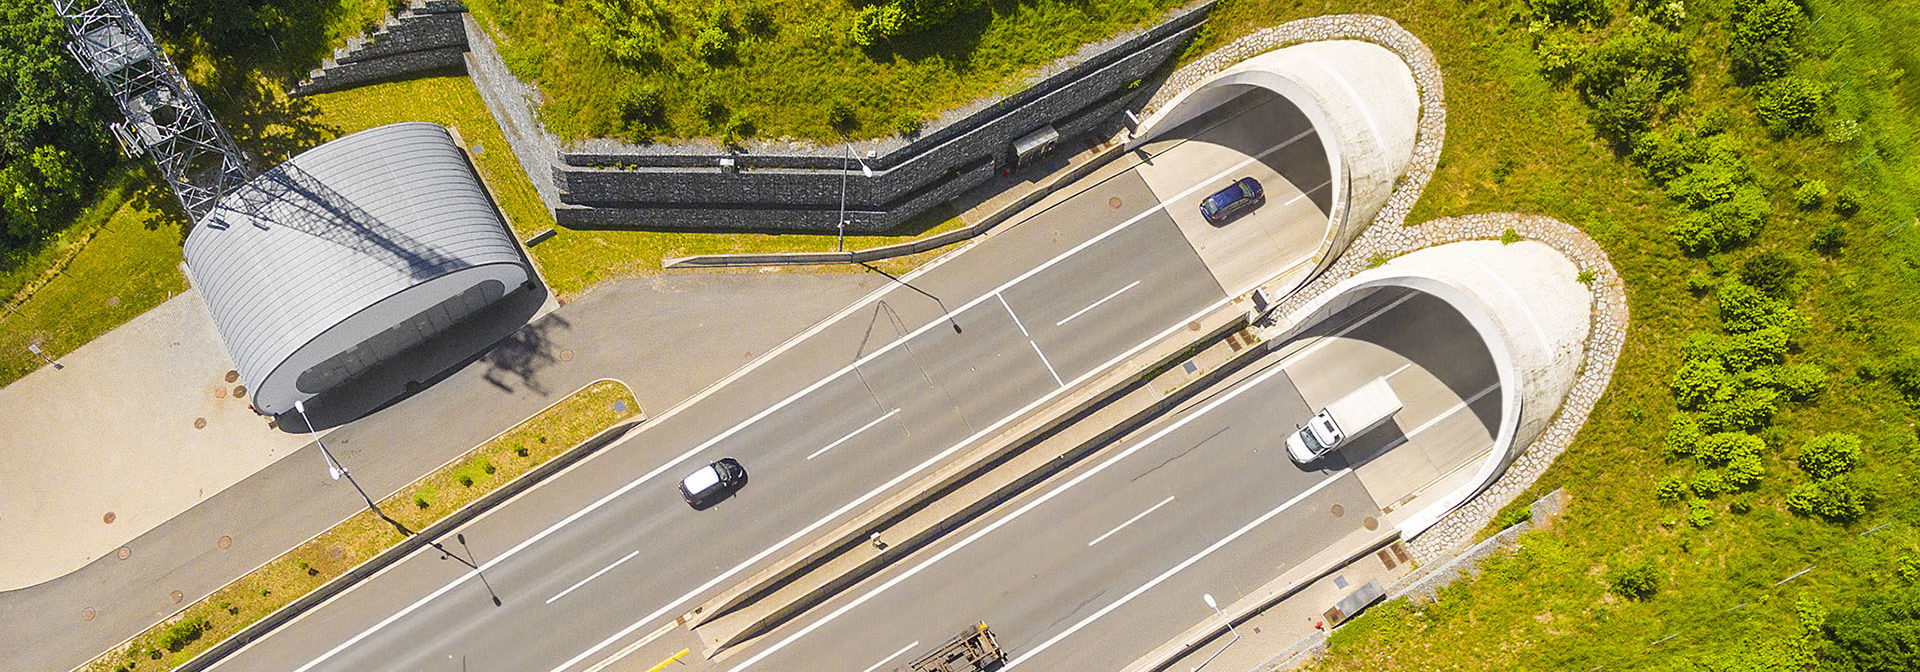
(1130,521)
(1303,194)
(936,459)
(1096,304)
(783,403)
(1328,340)
(1043,360)
(855,433)
(1397,371)
(1176,569)
(630,648)
(1016,316)
(591,577)
(1445,414)
(890,658)
(1250,383)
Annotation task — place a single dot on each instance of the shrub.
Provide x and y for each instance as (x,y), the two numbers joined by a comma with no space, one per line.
(1697,382)
(464,480)
(841,118)
(713,44)
(1810,194)
(758,20)
(1829,455)
(1560,56)
(1721,449)
(1754,349)
(878,23)
(1708,483)
(1661,57)
(1904,374)
(182,633)
(642,105)
(1801,382)
(1848,201)
(1700,282)
(1791,106)
(1683,436)
(1703,346)
(1699,516)
(1624,112)
(1572,12)
(1882,634)
(1723,224)
(1744,411)
(1829,240)
(1764,33)
(420,501)
(1671,488)
(1509,237)
(1744,471)
(1834,500)
(1744,309)
(1635,582)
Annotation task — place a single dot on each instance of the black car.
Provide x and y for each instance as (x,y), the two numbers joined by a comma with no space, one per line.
(712,483)
(1243,194)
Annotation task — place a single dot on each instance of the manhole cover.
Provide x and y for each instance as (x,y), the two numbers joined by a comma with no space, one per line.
(219,393)
(1193,326)
(113,302)
(239,391)
(1339,510)
(199,423)
(1372,523)
(124,553)
(566,355)
(1113,202)
(176,596)
(232,375)
(108,519)
(86,614)
(225,541)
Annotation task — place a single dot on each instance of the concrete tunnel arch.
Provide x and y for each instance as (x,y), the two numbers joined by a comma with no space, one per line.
(1525,301)
(1364,105)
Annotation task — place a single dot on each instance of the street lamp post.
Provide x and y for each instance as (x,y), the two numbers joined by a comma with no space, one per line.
(35,349)
(865,171)
(334,468)
(1223,616)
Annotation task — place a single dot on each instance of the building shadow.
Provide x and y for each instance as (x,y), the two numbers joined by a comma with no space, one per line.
(511,351)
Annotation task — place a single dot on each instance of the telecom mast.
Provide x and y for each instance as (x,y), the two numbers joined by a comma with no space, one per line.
(164,119)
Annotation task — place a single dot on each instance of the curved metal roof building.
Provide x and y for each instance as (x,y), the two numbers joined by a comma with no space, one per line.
(346,255)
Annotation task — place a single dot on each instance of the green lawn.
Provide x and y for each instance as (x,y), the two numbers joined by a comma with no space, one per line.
(784,80)
(123,259)
(1517,141)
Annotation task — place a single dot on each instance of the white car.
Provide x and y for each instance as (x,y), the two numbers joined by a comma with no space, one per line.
(712,483)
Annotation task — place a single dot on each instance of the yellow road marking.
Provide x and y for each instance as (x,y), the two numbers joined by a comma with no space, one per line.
(670,661)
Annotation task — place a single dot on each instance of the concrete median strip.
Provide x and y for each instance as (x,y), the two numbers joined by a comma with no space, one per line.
(990,473)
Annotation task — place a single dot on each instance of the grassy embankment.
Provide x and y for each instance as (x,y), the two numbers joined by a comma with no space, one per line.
(1521,140)
(417,506)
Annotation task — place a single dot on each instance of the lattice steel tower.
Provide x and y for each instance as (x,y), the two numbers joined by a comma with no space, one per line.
(165,119)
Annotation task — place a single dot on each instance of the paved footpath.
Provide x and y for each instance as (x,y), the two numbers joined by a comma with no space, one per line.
(721,321)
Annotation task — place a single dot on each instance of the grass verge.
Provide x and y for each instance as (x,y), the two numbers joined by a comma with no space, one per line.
(513,453)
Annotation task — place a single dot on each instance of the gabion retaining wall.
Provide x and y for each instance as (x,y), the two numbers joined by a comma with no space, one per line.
(426,36)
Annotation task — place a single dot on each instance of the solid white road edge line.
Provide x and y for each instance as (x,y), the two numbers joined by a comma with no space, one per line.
(890,658)
(650,475)
(591,577)
(1130,521)
(855,433)
(1096,304)
(1249,384)
(1176,569)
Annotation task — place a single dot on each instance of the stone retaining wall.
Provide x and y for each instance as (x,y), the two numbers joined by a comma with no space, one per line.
(426,36)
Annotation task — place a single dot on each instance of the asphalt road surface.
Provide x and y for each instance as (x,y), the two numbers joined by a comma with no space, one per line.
(1105,562)
(607,553)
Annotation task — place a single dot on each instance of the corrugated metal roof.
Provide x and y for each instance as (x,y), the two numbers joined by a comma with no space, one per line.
(335,230)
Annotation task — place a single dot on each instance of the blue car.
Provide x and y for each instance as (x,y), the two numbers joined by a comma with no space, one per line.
(1243,194)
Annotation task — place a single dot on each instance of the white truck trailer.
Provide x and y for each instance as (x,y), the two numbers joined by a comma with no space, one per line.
(1352,415)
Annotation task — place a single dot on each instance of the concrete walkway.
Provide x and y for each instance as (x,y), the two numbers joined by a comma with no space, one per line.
(715,323)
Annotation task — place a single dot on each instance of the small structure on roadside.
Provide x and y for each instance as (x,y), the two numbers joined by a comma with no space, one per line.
(342,258)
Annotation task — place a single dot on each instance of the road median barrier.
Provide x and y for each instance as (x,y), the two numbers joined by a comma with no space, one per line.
(282,589)
(998,468)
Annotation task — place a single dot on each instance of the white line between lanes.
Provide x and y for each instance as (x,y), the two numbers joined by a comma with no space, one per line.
(1176,569)
(1130,521)
(855,433)
(1445,414)
(1296,198)
(1202,411)
(591,577)
(889,659)
(783,403)
(1043,360)
(1096,304)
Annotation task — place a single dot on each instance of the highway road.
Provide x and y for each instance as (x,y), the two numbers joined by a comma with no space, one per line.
(606,553)
(1108,560)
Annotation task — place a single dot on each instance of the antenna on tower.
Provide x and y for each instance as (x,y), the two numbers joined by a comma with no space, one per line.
(164,119)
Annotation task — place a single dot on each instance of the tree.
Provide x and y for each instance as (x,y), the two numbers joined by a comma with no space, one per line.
(1882,634)
(52,140)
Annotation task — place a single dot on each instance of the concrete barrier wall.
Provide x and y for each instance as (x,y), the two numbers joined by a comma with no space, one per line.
(425,37)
